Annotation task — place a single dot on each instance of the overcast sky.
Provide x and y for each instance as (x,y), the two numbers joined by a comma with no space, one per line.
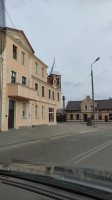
(76,32)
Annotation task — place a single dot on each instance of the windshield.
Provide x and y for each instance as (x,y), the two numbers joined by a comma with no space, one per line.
(55,89)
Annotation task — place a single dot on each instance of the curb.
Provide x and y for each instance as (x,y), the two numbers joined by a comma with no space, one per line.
(26,141)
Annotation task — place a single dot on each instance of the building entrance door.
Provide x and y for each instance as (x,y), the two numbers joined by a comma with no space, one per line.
(11,114)
(106,118)
(85,117)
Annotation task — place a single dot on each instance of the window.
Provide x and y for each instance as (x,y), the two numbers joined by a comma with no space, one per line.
(49,94)
(77,116)
(85,107)
(51,114)
(92,117)
(36,86)
(110,116)
(14,52)
(53,95)
(58,96)
(24,107)
(71,116)
(36,68)
(13,77)
(43,112)
(36,111)
(23,58)
(23,80)
(57,81)
(91,107)
(96,109)
(100,116)
(43,72)
(43,95)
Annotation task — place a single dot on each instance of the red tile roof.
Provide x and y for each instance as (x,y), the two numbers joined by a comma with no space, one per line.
(59,111)
(13,29)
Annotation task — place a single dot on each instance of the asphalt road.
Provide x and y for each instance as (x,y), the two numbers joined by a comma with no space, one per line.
(85,149)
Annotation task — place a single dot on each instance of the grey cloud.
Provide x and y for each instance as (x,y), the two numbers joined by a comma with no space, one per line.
(76,32)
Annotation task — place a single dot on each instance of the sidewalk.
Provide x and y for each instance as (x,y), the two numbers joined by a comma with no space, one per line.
(42,132)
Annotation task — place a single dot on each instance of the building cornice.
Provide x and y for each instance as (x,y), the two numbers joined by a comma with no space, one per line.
(30,52)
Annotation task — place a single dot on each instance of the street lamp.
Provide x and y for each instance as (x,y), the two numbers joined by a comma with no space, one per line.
(93,92)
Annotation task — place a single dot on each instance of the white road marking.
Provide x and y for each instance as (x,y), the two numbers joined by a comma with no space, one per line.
(87,154)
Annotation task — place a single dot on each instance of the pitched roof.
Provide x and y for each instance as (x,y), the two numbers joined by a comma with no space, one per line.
(54,70)
(105,104)
(20,31)
(73,105)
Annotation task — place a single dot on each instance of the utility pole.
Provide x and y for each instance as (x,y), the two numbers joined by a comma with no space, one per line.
(63,99)
(93,92)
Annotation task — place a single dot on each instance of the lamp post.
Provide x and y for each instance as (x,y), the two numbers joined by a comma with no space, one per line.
(93,92)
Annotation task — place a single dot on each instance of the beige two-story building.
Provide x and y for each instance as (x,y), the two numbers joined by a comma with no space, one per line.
(28,96)
(82,110)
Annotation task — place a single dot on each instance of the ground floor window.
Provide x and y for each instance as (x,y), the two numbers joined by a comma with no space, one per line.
(77,116)
(24,109)
(36,111)
(110,116)
(43,112)
(100,116)
(92,117)
(71,116)
(51,114)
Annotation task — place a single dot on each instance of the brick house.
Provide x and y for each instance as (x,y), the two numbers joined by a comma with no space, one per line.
(28,97)
(82,110)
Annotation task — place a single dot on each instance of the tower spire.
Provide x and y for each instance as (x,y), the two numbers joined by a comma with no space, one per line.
(53,70)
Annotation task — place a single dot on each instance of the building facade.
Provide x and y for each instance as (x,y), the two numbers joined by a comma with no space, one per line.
(28,96)
(82,110)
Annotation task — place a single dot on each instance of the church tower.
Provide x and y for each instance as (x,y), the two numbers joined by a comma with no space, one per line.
(55,76)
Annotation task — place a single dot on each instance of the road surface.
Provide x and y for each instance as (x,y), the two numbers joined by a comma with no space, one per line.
(92,149)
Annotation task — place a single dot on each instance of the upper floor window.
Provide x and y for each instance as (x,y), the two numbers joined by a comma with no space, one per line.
(23,58)
(43,73)
(43,92)
(53,95)
(13,77)
(58,96)
(36,86)
(23,80)
(14,52)
(36,68)
(57,81)
(49,94)
(85,107)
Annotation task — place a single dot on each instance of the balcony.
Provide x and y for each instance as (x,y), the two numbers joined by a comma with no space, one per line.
(21,92)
